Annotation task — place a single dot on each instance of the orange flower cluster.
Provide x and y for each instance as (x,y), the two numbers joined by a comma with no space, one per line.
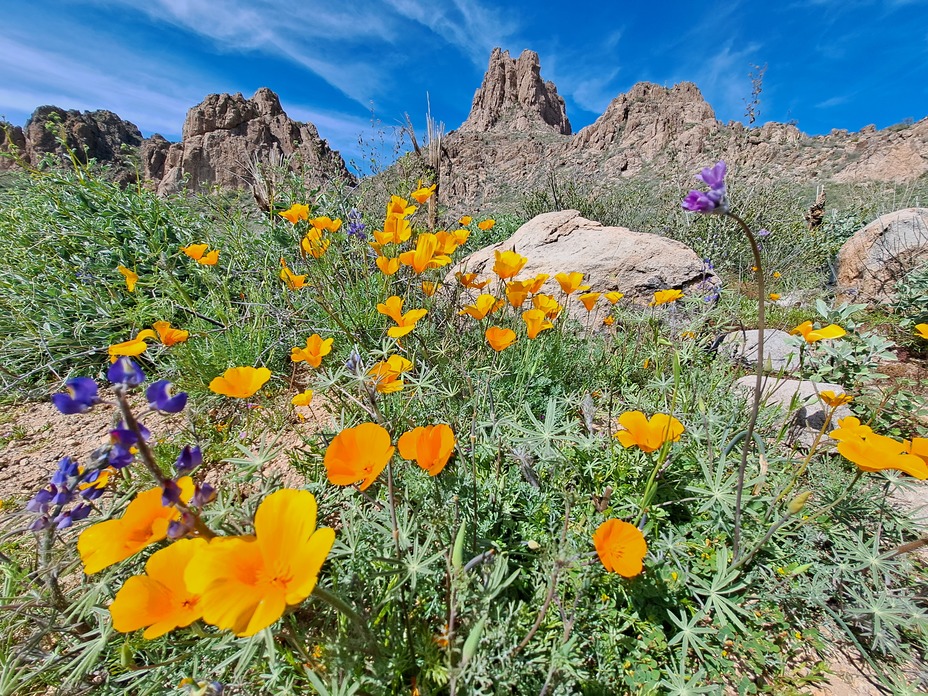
(199,254)
(873,452)
(360,454)
(168,336)
(240,583)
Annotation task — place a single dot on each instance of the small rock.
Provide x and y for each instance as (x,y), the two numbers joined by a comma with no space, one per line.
(799,398)
(779,355)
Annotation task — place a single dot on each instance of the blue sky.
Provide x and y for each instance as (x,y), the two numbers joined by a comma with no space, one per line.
(830,63)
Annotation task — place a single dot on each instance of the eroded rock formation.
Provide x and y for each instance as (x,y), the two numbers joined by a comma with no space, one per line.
(225,134)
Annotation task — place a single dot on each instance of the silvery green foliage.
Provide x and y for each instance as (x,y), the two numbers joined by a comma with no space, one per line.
(912,298)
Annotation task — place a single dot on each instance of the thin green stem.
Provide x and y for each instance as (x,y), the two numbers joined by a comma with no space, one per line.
(755,408)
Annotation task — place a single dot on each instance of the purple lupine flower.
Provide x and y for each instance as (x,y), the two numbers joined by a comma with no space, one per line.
(120,456)
(715,200)
(160,397)
(355,226)
(170,493)
(39,524)
(353,364)
(203,495)
(178,529)
(80,397)
(40,502)
(125,372)
(763,233)
(67,469)
(188,460)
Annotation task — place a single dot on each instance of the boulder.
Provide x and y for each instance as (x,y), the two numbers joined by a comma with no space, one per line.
(225,134)
(877,256)
(799,400)
(780,353)
(611,258)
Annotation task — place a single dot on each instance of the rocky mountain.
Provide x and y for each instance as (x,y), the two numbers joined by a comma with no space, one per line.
(99,135)
(223,137)
(225,134)
(517,136)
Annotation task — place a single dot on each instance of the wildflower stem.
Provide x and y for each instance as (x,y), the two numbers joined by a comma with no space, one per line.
(404,600)
(805,462)
(755,408)
(148,458)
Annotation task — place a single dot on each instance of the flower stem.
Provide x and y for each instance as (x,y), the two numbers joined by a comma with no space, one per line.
(755,408)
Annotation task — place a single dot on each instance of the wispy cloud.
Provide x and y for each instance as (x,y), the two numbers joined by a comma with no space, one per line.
(833,101)
(132,87)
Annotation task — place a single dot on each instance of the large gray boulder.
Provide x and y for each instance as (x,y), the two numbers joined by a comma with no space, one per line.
(880,254)
(611,258)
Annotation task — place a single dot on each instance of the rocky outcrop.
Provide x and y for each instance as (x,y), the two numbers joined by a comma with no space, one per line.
(514,141)
(611,258)
(514,98)
(226,134)
(877,256)
(97,135)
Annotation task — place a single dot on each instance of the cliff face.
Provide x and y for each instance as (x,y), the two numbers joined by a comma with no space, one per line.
(518,135)
(224,133)
(99,135)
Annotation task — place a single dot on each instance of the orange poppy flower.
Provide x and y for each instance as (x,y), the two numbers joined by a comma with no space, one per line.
(649,435)
(483,305)
(621,547)
(609,321)
(304,398)
(423,193)
(517,291)
(811,335)
(499,338)
(571,282)
(508,264)
(431,446)
(548,305)
(535,322)
(425,255)
(168,335)
(325,223)
(614,297)
(316,349)
(295,213)
(447,243)
(921,330)
(537,282)
(387,265)
(144,522)
(358,455)
(393,308)
(399,207)
(486,224)
(469,280)
(210,259)
(461,236)
(387,373)
(465,220)
(246,583)
(429,288)
(835,400)
(589,300)
(665,297)
(291,279)
(240,382)
(130,276)
(132,347)
(195,251)
(159,601)
(773,297)
(314,243)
